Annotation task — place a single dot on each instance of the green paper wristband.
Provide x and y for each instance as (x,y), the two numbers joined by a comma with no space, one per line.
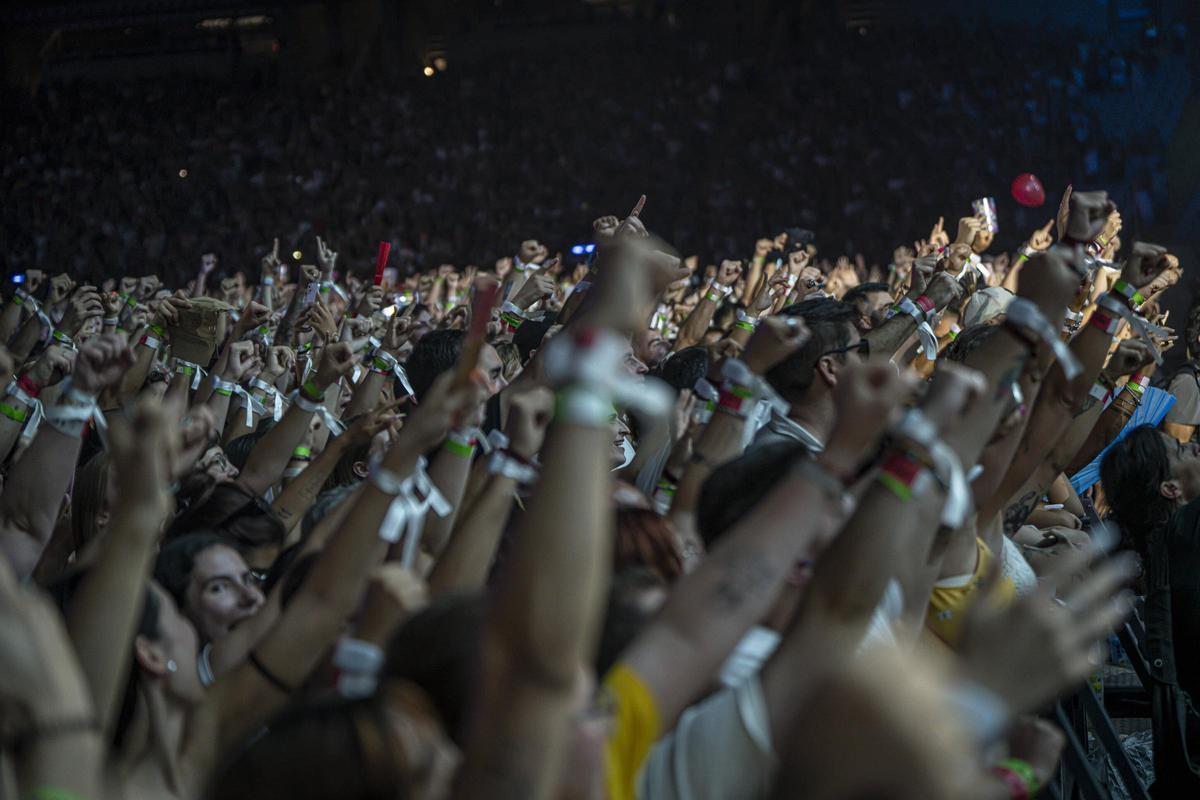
(302,452)
(158,330)
(1024,771)
(459,448)
(312,392)
(13,413)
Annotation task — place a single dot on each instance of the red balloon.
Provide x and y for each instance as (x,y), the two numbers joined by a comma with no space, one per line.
(1027,190)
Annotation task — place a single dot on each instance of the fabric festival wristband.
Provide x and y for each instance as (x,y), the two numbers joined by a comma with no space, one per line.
(1026,318)
(925,304)
(715,292)
(358,664)
(70,419)
(900,473)
(223,387)
(506,465)
(1104,322)
(26,384)
(1141,326)
(745,321)
(111,322)
(305,404)
(194,371)
(150,342)
(734,399)
(953,333)
(1132,296)
(1101,392)
(580,405)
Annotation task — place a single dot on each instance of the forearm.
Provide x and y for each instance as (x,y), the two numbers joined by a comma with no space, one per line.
(33,496)
(103,614)
(367,393)
(449,470)
(269,458)
(720,442)
(891,335)
(9,319)
(467,558)
(132,381)
(300,493)
(697,323)
(28,335)
(10,428)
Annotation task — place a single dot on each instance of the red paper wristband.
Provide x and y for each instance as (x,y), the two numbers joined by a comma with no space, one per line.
(27,384)
(925,304)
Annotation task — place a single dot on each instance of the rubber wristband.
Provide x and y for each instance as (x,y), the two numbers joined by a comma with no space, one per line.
(311,391)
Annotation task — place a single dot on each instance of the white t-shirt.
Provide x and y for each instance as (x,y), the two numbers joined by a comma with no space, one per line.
(1014,565)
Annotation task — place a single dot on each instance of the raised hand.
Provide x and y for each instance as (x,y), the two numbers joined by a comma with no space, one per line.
(1146,263)
(141,450)
(101,362)
(762,247)
(270,262)
(310,274)
(1087,215)
(538,287)
(968,229)
(365,426)
(253,316)
(773,341)
(167,312)
(242,358)
(1030,651)
(445,406)
(937,235)
(336,360)
(1041,239)
(604,228)
(326,257)
(54,364)
(397,333)
(85,304)
(868,399)
(532,251)
(529,414)
(61,287)
(321,320)
(372,301)
(729,272)
(1129,358)
(279,360)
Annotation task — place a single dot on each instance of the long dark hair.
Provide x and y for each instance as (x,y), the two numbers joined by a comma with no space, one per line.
(1131,473)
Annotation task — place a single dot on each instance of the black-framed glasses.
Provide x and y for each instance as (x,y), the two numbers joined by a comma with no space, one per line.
(862,347)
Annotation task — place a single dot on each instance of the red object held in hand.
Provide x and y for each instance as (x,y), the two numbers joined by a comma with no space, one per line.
(381,261)
(1028,191)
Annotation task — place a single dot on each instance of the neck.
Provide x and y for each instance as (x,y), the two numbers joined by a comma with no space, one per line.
(152,755)
(815,415)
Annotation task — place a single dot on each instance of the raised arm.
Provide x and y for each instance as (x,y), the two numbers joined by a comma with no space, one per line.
(710,609)
(34,492)
(718,289)
(270,456)
(103,612)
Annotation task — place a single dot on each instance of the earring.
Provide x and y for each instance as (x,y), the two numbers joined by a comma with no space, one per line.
(171,665)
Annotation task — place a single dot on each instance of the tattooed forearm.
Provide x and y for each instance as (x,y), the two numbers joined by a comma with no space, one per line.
(1016,514)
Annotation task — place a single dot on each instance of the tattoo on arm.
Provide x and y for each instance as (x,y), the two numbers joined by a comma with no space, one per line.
(1016,514)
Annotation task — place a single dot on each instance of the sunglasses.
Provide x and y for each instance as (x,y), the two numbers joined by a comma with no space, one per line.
(863,348)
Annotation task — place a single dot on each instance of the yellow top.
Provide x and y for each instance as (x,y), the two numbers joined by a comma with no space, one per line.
(635,729)
(952,597)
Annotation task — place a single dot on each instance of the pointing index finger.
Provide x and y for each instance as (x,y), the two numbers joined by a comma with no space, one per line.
(637,209)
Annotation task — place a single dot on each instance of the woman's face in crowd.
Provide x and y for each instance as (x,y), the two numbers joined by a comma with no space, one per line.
(620,436)
(216,466)
(221,592)
(1185,466)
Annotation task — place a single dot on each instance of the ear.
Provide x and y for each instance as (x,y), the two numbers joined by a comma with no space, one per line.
(1171,489)
(150,656)
(360,469)
(826,372)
